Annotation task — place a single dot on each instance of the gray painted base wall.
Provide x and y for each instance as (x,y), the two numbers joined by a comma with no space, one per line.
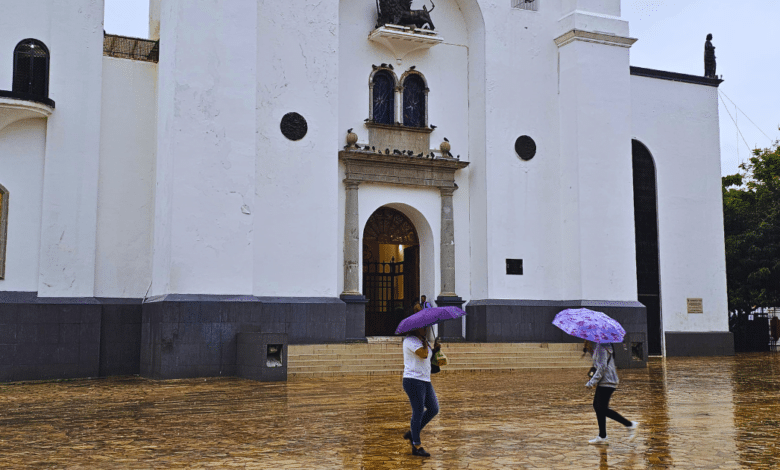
(699,344)
(180,336)
(52,338)
(196,335)
(518,321)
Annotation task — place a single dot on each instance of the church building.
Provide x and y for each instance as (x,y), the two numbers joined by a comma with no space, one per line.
(311,168)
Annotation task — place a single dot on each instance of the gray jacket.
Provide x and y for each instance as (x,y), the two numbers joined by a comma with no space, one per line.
(604,362)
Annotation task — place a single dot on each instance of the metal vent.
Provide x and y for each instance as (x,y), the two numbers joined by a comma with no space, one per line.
(530,5)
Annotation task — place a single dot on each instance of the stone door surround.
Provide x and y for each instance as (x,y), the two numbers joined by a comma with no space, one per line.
(373,167)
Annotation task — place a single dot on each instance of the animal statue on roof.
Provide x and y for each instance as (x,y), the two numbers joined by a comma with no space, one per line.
(400,12)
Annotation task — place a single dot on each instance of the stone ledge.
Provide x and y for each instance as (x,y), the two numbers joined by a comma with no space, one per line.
(367,166)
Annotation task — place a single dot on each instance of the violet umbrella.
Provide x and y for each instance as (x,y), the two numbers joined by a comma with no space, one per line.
(588,324)
(428,317)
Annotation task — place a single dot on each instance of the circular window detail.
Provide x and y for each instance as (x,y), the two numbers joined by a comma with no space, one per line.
(525,147)
(294,126)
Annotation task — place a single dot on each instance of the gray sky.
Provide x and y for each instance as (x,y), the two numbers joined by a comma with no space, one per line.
(671,37)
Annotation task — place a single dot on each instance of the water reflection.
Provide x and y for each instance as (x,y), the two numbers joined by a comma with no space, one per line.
(703,413)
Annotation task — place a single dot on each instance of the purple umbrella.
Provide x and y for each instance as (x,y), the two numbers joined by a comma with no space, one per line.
(428,317)
(589,324)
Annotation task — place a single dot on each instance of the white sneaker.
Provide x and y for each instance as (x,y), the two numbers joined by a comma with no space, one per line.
(599,441)
(632,430)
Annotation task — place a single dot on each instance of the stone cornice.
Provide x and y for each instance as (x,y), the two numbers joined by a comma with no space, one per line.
(675,77)
(589,36)
(372,167)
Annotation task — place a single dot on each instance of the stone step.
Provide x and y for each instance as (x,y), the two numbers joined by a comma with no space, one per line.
(398,372)
(385,358)
(459,359)
(467,366)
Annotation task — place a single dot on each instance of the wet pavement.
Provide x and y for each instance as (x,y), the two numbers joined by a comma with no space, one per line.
(694,413)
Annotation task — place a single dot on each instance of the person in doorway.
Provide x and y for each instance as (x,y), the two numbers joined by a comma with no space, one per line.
(605,379)
(421,304)
(417,385)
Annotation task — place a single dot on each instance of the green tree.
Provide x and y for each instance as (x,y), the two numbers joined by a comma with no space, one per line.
(751,213)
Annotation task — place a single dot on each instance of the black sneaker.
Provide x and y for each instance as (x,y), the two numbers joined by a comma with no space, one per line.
(408,435)
(419,451)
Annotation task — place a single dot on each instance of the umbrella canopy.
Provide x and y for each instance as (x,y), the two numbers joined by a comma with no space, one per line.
(428,317)
(589,324)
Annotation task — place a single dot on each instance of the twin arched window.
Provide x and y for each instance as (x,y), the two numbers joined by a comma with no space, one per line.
(31,68)
(412,95)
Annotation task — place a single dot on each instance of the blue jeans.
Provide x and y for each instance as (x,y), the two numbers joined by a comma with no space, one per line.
(424,405)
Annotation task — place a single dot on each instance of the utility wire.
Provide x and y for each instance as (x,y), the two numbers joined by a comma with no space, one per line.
(735,125)
(743,112)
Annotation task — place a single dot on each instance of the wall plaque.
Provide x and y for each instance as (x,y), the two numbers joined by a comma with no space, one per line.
(695,306)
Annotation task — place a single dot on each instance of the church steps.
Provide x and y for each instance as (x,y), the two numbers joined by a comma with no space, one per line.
(386,358)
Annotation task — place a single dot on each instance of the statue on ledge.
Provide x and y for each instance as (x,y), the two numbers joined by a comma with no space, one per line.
(709,58)
(399,12)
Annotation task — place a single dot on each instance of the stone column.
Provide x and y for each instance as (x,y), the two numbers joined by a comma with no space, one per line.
(447,244)
(450,330)
(356,303)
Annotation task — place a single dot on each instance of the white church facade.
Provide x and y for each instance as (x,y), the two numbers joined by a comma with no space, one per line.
(302,168)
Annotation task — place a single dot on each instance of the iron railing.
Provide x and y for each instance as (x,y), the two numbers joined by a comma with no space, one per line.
(125,47)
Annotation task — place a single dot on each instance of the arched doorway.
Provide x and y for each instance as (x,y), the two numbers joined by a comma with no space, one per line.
(648,279)
(391,270)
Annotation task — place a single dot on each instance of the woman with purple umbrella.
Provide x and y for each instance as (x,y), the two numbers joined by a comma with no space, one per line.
(417,384)
(605,379)
(600,329)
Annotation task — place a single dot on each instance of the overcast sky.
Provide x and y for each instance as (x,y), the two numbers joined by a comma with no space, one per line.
(671,37)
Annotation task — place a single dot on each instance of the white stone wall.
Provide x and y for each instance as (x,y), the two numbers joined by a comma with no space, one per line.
(678,123)
(567,213)
(205,200)
(128,146)
(22,147)
(73,33)
(296,235)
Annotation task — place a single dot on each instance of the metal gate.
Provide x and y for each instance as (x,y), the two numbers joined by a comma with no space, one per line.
(385,309)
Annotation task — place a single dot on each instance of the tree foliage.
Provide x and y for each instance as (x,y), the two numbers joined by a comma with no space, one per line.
(751,213)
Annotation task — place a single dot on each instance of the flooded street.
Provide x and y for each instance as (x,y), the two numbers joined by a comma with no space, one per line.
(694,413)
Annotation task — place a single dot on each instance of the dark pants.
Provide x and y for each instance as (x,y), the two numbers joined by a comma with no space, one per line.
(424,405)
(601,405)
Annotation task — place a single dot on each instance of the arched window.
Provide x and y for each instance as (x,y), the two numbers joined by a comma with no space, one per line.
(383,97)
(414,101)
(3,227)
(31,68)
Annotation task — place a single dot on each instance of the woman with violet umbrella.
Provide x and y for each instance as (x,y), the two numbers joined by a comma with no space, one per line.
(605,379)
(417,384)
(600,329)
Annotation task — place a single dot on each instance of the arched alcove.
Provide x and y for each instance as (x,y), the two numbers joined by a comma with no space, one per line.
(648,277)
(397,265)
(391,270)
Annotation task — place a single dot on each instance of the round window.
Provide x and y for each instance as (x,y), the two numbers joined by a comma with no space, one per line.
(525,147)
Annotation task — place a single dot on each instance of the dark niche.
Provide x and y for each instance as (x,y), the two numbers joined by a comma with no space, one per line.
(294,126)
(525,147)
(514,267)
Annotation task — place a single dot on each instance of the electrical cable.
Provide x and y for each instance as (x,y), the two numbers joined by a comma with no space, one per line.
(743,112)
(735,124)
